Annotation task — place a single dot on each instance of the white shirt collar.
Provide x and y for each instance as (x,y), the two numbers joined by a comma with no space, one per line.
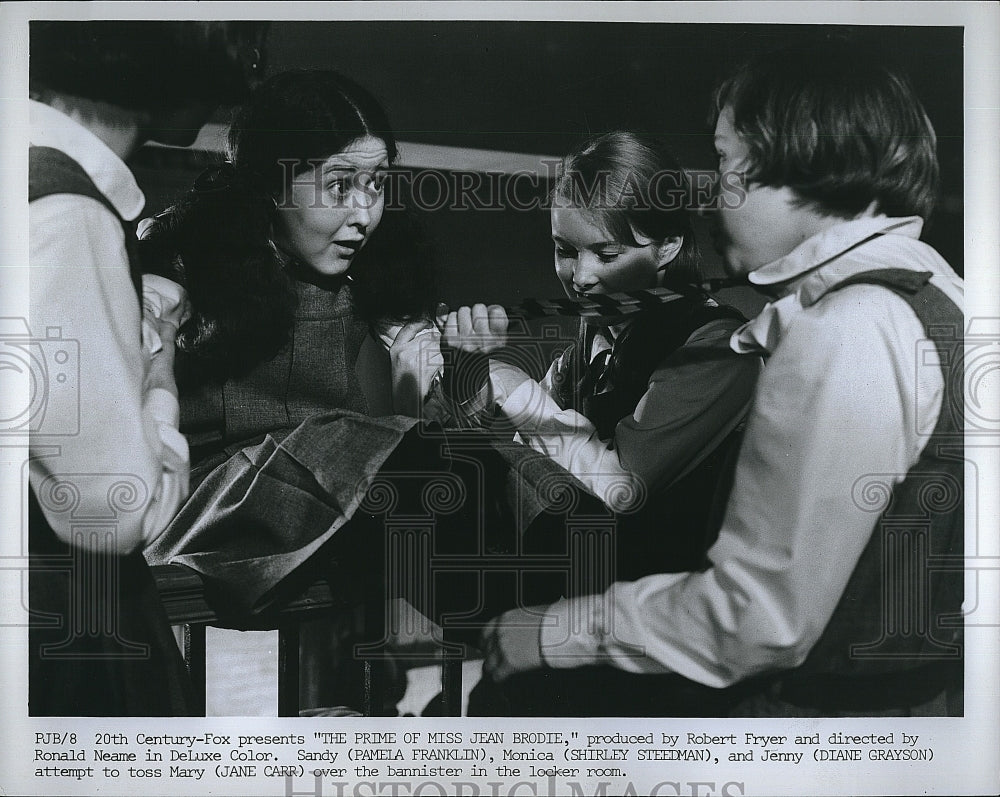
(811,270)
(832,243)
(52,128)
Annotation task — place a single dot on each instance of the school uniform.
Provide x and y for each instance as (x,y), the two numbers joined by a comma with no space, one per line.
(850,469)
(293,481)
(107,457)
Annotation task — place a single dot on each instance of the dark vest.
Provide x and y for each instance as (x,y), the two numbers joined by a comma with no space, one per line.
(678,523)
(52,171)
(901,610)
(637,351)
(126,664)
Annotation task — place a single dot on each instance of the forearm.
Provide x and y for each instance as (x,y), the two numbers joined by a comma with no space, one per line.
(792,534)
(161,413)
(571,440)
(128,462)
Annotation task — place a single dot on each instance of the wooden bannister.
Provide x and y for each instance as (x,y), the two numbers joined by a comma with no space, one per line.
(182,592)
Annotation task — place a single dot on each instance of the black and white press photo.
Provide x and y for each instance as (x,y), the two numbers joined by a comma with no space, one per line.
(377,378)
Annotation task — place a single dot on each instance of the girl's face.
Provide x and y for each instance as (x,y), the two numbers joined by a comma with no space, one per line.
(767,224)
(588,259)
(331,209)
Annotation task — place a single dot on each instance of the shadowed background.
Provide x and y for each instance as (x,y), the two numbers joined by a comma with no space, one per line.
(474,96)
(512,88)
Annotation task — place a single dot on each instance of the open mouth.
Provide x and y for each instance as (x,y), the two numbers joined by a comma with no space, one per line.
(348,248)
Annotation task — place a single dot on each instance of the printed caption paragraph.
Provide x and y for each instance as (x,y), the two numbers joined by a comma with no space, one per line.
(453,762)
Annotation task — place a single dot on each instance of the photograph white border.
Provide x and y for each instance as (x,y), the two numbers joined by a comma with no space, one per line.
(967,749)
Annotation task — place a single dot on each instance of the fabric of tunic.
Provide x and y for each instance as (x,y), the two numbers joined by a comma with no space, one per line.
(284,458)
(280,456)
(313,373)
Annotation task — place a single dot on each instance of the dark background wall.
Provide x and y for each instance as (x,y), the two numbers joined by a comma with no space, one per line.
(540,88)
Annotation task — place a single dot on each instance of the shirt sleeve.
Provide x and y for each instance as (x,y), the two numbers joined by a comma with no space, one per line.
(114,442)
(571,440)
(162,299)
(835,404)
(696,396)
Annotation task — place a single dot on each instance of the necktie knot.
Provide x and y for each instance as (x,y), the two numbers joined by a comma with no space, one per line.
(600,371)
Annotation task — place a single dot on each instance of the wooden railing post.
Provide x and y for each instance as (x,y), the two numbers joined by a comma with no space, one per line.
(374,663)
(182,592)
(195,651)
(288,669)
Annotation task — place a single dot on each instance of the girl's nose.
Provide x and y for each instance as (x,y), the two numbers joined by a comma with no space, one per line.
(361,216)
(584,277)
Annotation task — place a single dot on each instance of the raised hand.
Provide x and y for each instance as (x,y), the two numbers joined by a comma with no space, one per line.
(478,329)
(468,336)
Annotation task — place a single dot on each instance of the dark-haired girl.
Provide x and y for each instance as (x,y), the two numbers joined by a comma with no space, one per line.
(291,255)
(288,257)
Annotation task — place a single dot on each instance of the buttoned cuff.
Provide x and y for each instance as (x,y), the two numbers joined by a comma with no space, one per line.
(165,300)
(161,405)
(569,636)
(163,409)
(528,406)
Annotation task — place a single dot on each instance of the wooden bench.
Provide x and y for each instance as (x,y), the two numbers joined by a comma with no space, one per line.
(182,592)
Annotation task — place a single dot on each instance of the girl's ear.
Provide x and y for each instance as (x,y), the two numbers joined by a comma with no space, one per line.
(668,250)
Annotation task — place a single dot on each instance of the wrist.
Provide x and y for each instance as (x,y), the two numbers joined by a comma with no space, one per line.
(162,405)
(538,639)
(505,379)
(466,375)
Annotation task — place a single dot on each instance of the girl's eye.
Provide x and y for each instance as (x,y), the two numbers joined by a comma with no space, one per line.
(339,188)
(378,181)
(565,252)
(608,257)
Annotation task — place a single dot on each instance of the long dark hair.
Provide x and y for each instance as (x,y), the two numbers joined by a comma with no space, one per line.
(217,239)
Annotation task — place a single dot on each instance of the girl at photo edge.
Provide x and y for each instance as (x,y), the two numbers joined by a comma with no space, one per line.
(99,641)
